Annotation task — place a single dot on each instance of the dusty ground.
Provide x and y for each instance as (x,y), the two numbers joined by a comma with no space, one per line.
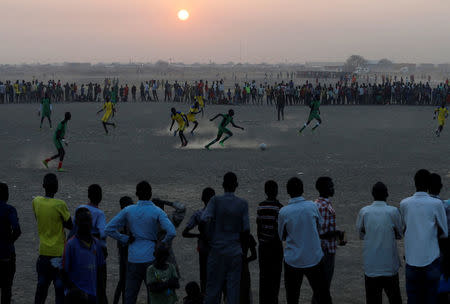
(357,146)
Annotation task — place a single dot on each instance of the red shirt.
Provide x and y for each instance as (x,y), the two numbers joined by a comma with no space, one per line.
(329,223)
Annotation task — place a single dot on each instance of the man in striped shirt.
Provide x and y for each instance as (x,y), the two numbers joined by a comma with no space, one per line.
(328,232)
(270,246)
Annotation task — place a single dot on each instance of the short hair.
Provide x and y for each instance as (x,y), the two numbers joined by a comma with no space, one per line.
(4,192)
(322,182)
(193,290)
(294,186)
(207,194)
(435,183)
(380,191)
(271,188)
(422,179)
(81,213)
(144,190)
(230,180)
(95,192)
(125,201)
(67,116)
(50,180)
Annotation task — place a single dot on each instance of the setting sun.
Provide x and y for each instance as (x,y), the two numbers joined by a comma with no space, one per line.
(183,15)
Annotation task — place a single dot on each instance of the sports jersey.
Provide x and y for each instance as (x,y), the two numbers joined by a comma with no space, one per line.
(50,214)
(108,107)
(442,114)
(192,112)
(45,107)
(179,118)
(226,120)
(61,129)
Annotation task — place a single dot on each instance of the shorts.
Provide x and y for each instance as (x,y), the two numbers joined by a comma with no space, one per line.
(58,144)
(45,114)
(223,130)
(191,118)
(106,117)
(314,115)
(441,122)
(182,127)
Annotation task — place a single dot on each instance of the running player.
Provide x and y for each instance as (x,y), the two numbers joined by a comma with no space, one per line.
(46,110)
(58,139)
(313,114)
(226,119)
(193,110)
(442,114)
(182,122)
(109,109)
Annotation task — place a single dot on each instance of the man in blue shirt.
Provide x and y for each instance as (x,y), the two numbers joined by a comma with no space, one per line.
(9,233)
(143,220)
(83,259)
(298,225)
(228,228)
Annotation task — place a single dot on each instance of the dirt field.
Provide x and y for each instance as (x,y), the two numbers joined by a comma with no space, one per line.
(356,146)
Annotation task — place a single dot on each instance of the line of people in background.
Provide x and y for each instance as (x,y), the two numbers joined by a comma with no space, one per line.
(390,91)
(145,230)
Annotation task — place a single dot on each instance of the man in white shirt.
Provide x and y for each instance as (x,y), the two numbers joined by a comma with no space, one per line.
(298,225)
(380,225)
(425,220)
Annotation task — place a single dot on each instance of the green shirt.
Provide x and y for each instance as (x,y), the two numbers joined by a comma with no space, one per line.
(227,119)
(61,129)
(315,104)
(45,106)
(154,275)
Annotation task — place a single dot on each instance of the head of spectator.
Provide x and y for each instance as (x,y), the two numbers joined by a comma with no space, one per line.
(4,192)
(325,186)
(193,291)
(50,185)
(161,254)
(294,187)
(230,182)
(435,184)
(422,180)
(380,192)
(144,191)
(207,194)
(125,201)
(271,190)
(95,194)
(83,220)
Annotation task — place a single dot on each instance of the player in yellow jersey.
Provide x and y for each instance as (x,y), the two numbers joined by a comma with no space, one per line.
(442,114)
(193,110)
(110,110)
(182,122)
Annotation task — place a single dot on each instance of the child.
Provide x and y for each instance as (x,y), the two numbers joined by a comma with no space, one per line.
(83,259)
(202,245)
(123,256)
(194,295)
(162,279)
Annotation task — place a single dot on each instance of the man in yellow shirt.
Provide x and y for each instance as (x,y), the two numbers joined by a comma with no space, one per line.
(52,216)
(442,114)
(182,122)
(110,110)
(193,110)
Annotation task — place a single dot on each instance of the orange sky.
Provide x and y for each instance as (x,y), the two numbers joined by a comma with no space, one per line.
(222,31)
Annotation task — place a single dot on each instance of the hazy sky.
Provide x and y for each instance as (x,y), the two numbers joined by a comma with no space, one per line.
(224,30)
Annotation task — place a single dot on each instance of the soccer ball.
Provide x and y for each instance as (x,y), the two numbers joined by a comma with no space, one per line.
(262,147)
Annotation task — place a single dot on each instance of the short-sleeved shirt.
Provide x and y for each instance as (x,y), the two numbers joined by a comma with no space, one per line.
(315,105)
(8,223)
(442,113)
(61,129)
(45,106)
(50,214)
(81,262)
(329,223)
(226,120)
(267,222)
(98,223)
(154,275)
(226,217)
(179,118)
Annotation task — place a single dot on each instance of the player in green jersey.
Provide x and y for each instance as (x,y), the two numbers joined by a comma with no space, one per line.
(226,120)
(58,139)
(313,114)
(45,110)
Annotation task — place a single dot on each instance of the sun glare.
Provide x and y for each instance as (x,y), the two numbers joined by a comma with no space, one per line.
(183,15)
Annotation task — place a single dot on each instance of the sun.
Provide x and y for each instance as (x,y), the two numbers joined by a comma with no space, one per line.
(183,15)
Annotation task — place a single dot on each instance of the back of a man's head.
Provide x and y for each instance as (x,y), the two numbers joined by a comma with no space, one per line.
(422,180)
(230,182)
(435,184)
(4,192)
(95,194)
(294,187)
(380,192)
(50,183)
(271,189)
(144,191)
